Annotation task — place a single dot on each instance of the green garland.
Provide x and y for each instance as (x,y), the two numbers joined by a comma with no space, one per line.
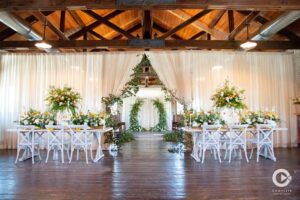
(162,122)
(133,117)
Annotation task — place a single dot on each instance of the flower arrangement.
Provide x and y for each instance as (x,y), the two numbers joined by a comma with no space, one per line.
(61,99)
(91,119)
(210,118)
(259,117)
(37,118)
(296,100)
(229,96)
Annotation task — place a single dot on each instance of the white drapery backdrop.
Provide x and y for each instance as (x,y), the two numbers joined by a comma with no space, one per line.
(268,79)
(148,116)
(25,80)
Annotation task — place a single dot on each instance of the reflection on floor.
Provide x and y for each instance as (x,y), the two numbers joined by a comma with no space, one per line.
(144,169)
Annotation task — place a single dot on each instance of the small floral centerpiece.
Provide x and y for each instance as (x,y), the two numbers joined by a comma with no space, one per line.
(296,100)
(209,118)
(259,117)
(189,116)
(93,120)
(229,96)
(37,118)
(61,99)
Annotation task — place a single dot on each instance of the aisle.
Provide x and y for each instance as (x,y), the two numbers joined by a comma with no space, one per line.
(144,169)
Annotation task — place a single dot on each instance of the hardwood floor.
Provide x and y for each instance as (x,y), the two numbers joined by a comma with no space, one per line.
(146,170)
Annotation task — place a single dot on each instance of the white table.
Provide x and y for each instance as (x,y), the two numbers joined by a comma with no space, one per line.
(196,135)
(40,132)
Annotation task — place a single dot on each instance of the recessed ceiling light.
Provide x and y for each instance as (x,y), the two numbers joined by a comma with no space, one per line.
(43,45)
(248,45)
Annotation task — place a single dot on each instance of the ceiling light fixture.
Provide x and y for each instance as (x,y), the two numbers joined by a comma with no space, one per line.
(248,45)
(43,44)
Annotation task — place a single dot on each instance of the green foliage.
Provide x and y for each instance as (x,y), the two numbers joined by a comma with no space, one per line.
(229,96)
(133,117)
(174,136)
(61,99)
(128,136)
(132,86)
(112,121)
(91,119)
(162,122)
(111,100)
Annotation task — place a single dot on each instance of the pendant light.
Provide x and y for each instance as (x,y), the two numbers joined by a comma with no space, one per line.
(43,44)
(248,45)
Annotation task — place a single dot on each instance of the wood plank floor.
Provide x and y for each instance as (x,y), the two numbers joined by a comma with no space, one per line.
(146,170)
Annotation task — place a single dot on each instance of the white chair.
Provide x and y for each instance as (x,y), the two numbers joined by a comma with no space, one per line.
(80,139)
(56,141)
(210,139)
(263,139)
(28,142)
(237,140)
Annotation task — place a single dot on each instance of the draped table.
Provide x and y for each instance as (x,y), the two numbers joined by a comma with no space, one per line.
(40,132)
(196,132)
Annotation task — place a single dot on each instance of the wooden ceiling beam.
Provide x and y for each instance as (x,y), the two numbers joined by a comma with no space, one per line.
(93,25)
(163,44)
(184,24)
(243,24)
(62,21)
(199,25)
(216,19)
(41,17)
(97,35)
(107,23)
(131,30)
(30,5)
(161,29)
(230,21)
(197,35)
(284,32)
(147,23)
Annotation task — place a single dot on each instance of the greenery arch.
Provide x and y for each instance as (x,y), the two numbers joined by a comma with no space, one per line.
(133,117)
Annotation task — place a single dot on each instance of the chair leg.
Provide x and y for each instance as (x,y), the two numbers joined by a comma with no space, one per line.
(48,152)
(72,149)
(18,154)
(245,150)
(62,153)
(32,154)
(257,153)
(230,152)
(215,156)
(39,153)
(252,146)
(86,154)
(218,151)
(77,157)
(203,154)
(91,151)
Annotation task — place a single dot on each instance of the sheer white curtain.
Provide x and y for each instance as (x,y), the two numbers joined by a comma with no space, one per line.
(25,80)
(268,79)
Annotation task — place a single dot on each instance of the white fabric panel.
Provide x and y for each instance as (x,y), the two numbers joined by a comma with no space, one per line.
(268,79)
(25,80)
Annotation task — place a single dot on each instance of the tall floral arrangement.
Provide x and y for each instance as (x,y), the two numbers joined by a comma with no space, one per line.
(229,96)
(61,99)
(37,118)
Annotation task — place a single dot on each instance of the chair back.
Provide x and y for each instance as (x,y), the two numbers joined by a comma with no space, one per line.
(238,133)
(211,133)
(265,133)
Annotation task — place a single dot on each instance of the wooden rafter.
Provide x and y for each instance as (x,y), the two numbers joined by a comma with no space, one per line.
(108,23)
(197,35)
(94,24)
(40,16)
(164,44)
(216,19)
(230,21)
(184,24)
(161,29)
(243,24)
(78,21)
(10,5)
(147,23)
(62,21)
(199,25)
(130,30)
(97,35)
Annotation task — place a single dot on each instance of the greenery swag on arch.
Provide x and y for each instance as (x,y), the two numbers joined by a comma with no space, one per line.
(133,117)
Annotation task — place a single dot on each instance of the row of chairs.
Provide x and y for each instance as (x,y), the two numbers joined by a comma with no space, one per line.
(235,138)
(59,138)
